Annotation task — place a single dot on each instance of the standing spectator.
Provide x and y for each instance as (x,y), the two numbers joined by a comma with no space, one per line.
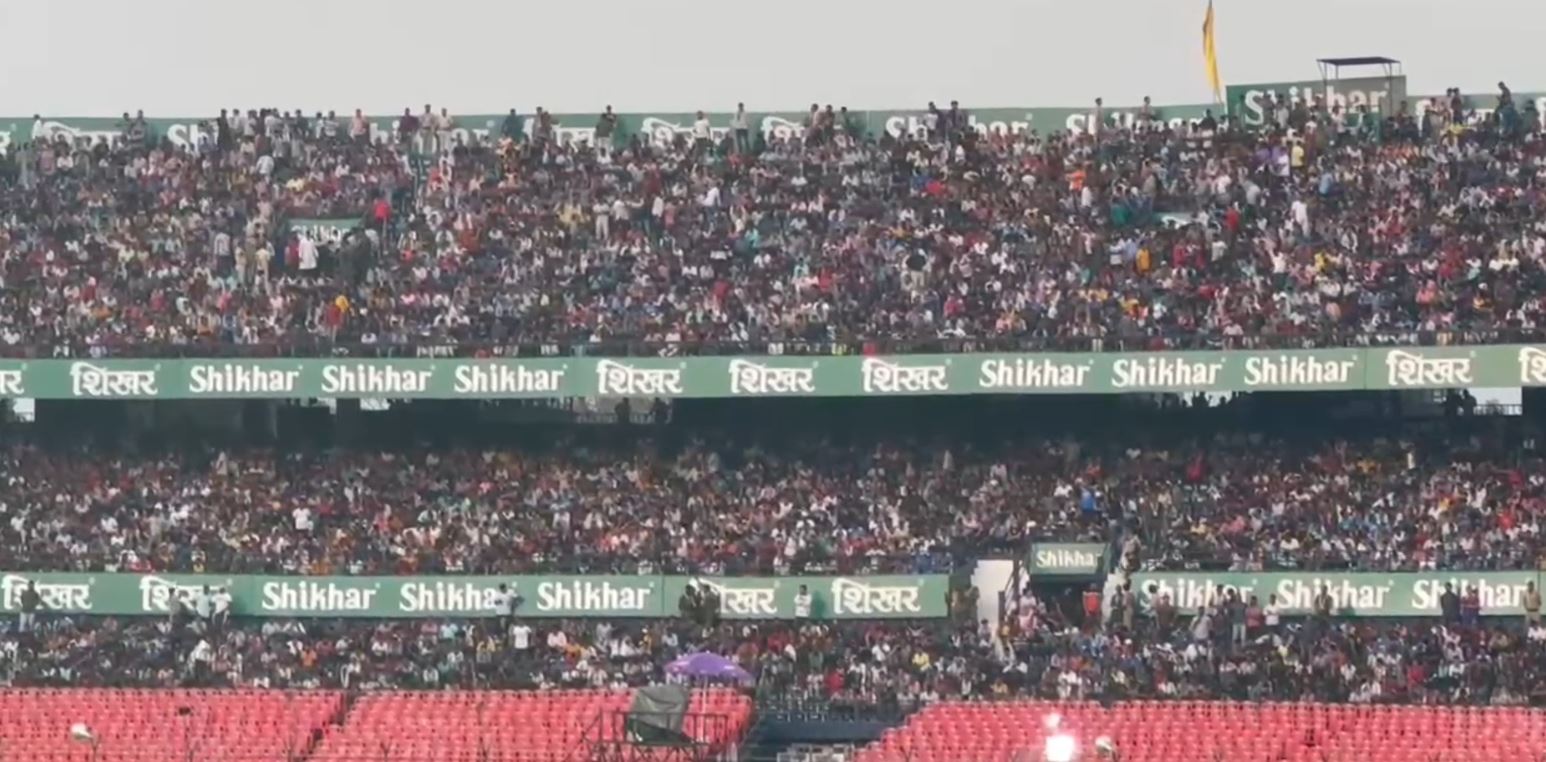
(31,602)
(520,641)
(1272,616)
(740,124)
(802,604)
(1092,606)
(1532,604)
(510,129)
(1471,607)
(687,606)
(1236,610)
(427,141)
(1449,605)
(506,603)
(1129,606)
(710,607)
(544,127)
(204,605)
(444,127)
(224,140)
(1254,619)
(307,250)
(359,129)
(222,606)
(1202,625)
(1323,605)
(702,134)
(1164,615)
(606,131)
(199,660)
(407,127)
(1114,609)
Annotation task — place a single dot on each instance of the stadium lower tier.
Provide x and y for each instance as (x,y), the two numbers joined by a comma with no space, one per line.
(260,726)
(893,665)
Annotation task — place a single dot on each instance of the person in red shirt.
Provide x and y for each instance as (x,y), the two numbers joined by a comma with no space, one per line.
(1092,609)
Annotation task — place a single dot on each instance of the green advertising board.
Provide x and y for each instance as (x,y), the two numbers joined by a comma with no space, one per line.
(781,376)
(1252,106)
(1358,594)
(652,127)
(645,596)
(1248,102)
(1081,559)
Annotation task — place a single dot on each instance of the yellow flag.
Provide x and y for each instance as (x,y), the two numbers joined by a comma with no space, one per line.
(1210,55)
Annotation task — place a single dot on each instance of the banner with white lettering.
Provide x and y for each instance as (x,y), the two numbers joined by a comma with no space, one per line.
(557,595)
(780,376)
(1360,594)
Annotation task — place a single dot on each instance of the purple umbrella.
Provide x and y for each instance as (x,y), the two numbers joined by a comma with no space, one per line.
(707,666)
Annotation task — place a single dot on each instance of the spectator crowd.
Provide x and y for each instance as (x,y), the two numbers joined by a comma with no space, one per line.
(1321,227)
(843,666)
(712,503)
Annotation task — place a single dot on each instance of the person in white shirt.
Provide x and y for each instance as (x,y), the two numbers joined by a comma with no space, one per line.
(302,518)
(740,124)
(1272,614)
(1301,214)
(199,662)
(222,608)
(505,603)
(520,637)
(701,133)
(203,604)
(802,603)
(444,126)
(308,252)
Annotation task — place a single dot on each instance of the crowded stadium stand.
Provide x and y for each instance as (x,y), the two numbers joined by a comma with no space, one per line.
(1324,227)
(1159,434)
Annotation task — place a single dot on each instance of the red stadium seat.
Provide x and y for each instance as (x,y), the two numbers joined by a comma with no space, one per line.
(279,726)
(144,725)
(503,726)
(1235,732)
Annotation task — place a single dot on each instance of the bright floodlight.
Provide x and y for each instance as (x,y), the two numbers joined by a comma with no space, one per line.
(1061,748)
(81,734)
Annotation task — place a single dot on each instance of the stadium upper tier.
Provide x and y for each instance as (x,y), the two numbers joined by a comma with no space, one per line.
(282,235)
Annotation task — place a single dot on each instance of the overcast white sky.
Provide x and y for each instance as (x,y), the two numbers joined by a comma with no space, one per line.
(191,57)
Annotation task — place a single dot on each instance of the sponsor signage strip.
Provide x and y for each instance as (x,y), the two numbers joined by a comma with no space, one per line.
(1250,103)
(1067,558)
(648,596)
(1361,594)
(656,128)
(781,376)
